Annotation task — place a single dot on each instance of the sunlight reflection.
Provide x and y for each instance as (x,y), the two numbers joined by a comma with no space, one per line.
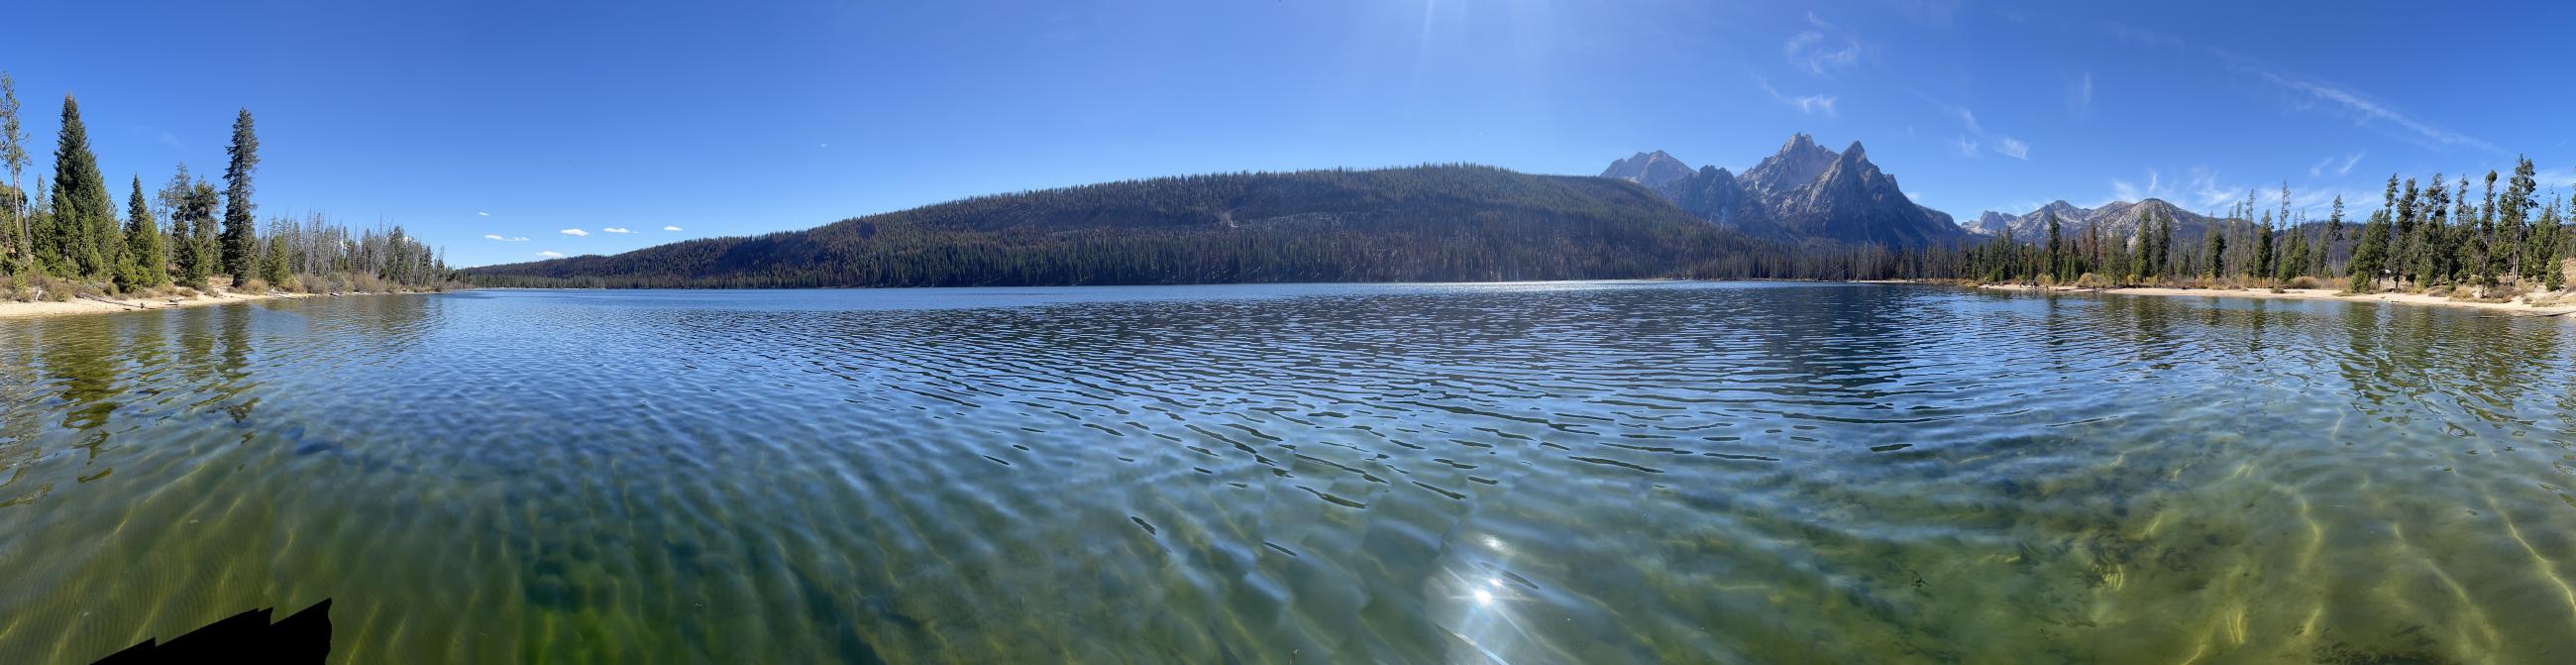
(1485,611)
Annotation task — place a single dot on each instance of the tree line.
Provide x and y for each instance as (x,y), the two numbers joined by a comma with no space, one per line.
(67,237)
(2431,236)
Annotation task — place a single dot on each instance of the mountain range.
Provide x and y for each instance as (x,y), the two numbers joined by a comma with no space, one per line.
(2119,220)
(1804,211)
(1803,192)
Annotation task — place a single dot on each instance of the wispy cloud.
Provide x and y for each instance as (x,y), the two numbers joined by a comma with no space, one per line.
(2013,147)
(1823,50)
(172,140)
(2156,188)
(2137,36)
(1965,116)
(2079,94)
(670,228)
(1968,147)
(614,229)
(575,232)
(1807,104)
(2208,191)
(2328,165)
(482,214)
(2309,93)
(551,254)
(493,236)
(2366,111)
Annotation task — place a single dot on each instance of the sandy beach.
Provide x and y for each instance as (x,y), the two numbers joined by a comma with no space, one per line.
(25,310)
(2517,306)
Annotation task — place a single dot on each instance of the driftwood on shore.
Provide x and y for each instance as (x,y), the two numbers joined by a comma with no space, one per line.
(112,302)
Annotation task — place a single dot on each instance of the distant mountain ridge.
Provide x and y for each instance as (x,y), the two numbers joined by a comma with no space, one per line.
(2119,220)
(1429,223)
(1802,192)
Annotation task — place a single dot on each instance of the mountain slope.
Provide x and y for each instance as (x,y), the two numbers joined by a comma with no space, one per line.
(1432,223)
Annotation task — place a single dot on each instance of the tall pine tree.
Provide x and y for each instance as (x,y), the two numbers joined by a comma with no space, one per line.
(84,236)
(13,155)
(239,250)
(2513,221)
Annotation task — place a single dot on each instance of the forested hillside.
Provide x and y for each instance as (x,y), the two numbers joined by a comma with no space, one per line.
(1429,223)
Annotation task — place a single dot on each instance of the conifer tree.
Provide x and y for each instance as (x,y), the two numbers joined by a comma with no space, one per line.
(273,262)
(2513,221)
(142,265)
(2334,233)
(13,155)
(2056,255)
(2544,249)
(192,206)
(2432,234)
(2216,244)
(2164,241)
(2371,253)
(238,250)
(2263,246)
(84,234)
(2296,258)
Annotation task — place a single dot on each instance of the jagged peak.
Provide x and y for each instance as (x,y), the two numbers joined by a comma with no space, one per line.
(1718,171)
(1854,153)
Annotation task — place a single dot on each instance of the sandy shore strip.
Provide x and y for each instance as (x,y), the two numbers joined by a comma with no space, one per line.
(2515,307)
(28,310)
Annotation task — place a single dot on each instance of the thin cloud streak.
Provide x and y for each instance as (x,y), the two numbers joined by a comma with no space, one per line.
(2362,108)
(2013,147)
(2367,111)
(1807,104)
(2079,95)
(2328,164)
(1807,50)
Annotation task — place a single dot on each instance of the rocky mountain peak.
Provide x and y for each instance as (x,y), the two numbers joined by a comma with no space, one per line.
(1652,169)
(1804,191)
(1798,162)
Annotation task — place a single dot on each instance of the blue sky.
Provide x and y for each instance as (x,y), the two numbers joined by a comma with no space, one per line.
(466,119)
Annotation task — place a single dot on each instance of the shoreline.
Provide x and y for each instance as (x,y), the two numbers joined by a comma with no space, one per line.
(2516,307)
(18,310)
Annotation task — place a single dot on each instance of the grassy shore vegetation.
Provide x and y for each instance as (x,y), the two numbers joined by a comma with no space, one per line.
(69,240)
(2433,237)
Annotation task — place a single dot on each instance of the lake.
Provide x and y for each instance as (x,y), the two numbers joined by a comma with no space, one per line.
(1522,473)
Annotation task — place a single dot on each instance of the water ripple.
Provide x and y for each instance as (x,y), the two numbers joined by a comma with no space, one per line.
(1612,472)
